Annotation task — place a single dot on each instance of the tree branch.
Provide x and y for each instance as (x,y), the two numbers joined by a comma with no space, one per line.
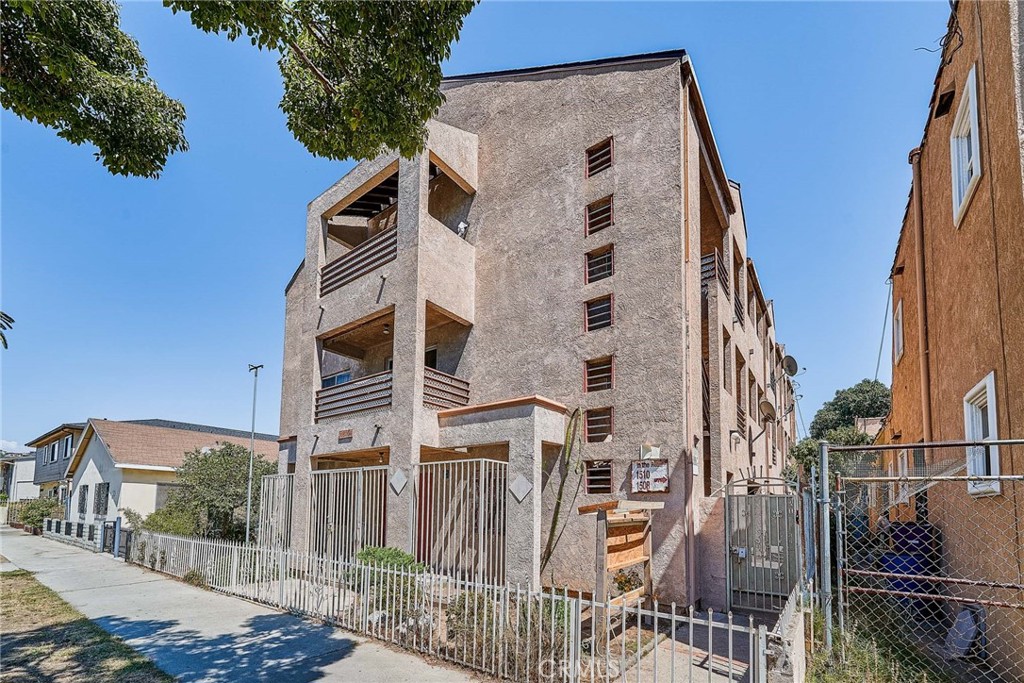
(327,85)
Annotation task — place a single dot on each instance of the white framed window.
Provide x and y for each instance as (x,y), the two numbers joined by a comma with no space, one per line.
(53,452)
(980,425)
(903,490)
(68,446)
(897,332)
(965,148)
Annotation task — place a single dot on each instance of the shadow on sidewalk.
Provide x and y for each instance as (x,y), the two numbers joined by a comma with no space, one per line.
(273,647)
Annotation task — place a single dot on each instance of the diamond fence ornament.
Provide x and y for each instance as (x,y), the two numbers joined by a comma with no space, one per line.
(520,487)
(398,481)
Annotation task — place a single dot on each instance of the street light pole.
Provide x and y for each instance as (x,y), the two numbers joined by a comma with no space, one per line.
(255,370)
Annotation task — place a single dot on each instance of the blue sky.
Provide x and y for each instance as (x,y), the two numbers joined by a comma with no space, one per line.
(148,298)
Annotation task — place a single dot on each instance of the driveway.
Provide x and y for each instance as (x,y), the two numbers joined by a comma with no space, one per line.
(198,635)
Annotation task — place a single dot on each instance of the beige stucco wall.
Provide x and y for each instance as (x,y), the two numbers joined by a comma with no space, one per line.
(516,283)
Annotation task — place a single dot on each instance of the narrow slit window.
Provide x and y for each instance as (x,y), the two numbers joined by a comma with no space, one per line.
(600,215)
(600,264)
(600,157)
(598,476)
(600,374)
(598,425)
(599,313)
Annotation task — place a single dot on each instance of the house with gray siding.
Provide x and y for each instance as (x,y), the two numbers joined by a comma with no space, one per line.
(566,261)
(53,451)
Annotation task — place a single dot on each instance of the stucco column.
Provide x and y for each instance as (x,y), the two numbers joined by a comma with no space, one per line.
(407,354)
(523,518)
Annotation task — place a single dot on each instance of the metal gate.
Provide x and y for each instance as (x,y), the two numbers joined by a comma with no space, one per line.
(762,541)
(347,510)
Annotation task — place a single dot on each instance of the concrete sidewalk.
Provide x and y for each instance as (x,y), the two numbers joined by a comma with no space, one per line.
(198,635)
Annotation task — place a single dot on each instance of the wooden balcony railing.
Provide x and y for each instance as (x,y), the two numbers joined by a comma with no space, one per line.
(711,267)
(441,390)
(365,393)
(367,257)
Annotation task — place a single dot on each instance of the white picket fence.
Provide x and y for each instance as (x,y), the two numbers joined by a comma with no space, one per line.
(506,631)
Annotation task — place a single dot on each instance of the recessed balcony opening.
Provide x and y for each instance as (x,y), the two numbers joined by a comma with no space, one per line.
(449,202)
(444,343)
(360,235)
(370,457)
(355,367)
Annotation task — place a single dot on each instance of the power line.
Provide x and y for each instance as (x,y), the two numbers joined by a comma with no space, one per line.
(885,323)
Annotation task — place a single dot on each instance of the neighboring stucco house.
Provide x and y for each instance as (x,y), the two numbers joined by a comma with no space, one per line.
(131,464)
(53,452)
(568,239)
(17,474)
(958,302)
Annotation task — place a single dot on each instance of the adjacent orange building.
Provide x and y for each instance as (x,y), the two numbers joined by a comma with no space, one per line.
(958,316)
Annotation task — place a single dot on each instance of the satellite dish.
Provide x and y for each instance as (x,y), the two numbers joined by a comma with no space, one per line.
(789,366)
(767,410)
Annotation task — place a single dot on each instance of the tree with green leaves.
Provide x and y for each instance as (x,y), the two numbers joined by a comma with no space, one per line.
(359,77)
(836,420)
(211,493)
(69,66)
(867,398)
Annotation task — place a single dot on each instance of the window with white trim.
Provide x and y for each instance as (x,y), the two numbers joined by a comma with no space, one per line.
(68,446)
(965,148)
(897,332)
(902,464)
(980,425)
(53,451)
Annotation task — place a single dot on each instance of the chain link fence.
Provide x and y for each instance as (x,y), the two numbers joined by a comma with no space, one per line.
(929,561)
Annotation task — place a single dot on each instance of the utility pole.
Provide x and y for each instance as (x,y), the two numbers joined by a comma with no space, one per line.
(255,370)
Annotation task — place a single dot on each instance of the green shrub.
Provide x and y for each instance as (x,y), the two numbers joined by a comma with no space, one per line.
(194,577)
(391,558)
(3,499)
(35,511)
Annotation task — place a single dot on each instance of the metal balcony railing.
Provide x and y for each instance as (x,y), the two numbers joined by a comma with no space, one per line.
(365,393)
(367,257)
(741,420)
(441,390)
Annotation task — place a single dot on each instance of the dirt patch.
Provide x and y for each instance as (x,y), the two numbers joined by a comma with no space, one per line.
(45,639)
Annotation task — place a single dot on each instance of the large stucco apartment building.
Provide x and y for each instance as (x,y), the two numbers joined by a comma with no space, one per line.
(958,302)
(568,239)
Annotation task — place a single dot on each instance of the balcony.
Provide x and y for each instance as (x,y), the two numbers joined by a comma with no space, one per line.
(365,393)
(441,390)
(738,305)
(363,259)
(712,267)
(741,420)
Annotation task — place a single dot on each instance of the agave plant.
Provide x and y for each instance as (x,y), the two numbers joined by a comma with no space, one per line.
(6,323)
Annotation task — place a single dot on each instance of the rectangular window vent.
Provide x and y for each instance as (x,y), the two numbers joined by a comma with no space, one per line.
(599,313)
(599,374)
(599,476)
(600,264)
(600,215)
(600,157)
(598,425)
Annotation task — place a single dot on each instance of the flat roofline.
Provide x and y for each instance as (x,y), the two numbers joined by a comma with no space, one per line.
(571,66)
